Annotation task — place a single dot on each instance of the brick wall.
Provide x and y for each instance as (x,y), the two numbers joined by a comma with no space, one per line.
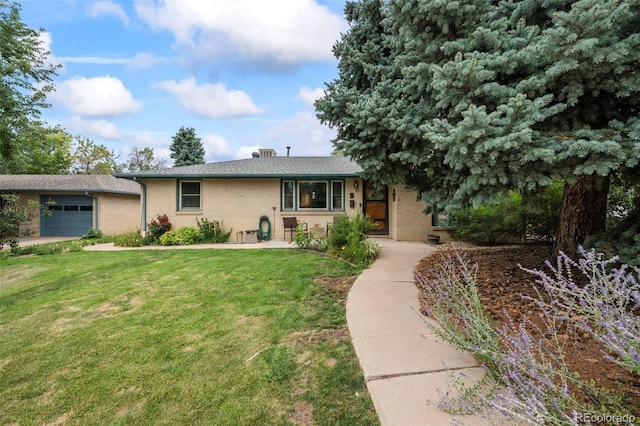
(407,220)
(118,213)
(239,203)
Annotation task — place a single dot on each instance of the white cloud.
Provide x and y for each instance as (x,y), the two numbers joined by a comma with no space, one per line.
(145,60)
(304,133)
(210,100)
(93,128)
(309,96)
(46,41)
(95,60)
(108,8)
(216,146)
(281,32)
(246,151)
(99,96)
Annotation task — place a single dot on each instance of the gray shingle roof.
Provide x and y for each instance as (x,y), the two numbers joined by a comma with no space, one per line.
(68,183)
(284,167)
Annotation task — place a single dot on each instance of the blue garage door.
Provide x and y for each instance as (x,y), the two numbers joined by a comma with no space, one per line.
(71,216)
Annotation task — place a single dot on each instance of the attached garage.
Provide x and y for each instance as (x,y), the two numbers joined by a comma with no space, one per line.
(81,202)
(71,215)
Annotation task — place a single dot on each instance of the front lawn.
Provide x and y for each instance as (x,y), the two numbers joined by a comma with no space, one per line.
(178,337)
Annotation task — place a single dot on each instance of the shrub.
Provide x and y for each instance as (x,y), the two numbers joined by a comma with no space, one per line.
(539,384)
(156,228)
(511,216)
(492,223)
(348,239)
(302,238)
(93,233)
(130,239)
(211,231)
(183,236)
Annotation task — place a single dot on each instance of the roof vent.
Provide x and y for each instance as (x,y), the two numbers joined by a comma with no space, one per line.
(255,154)
(267,152)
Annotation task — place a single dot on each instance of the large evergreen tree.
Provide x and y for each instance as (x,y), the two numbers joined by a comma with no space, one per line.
(186,148)
(26,78)
(460,100)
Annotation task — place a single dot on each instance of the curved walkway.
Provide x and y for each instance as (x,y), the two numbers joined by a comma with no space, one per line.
(406,368)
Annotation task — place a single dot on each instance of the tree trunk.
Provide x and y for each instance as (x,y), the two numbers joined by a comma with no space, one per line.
(583,213)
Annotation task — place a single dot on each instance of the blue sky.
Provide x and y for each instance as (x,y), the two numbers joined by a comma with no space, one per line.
(243,73)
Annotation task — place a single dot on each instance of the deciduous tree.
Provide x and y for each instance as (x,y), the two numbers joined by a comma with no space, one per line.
(41,150)
(90,158)
(26,78)
(460,100)
(143,159)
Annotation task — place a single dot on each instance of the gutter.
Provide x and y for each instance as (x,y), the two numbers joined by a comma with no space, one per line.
(143,226)
(96,215)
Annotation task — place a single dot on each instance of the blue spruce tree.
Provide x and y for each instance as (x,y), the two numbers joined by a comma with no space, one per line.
(460,100)
(186,148)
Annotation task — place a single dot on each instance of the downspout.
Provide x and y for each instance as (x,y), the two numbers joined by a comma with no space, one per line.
(96,215)
(144,206)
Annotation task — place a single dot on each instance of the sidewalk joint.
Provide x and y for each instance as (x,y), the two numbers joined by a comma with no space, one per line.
(416,373)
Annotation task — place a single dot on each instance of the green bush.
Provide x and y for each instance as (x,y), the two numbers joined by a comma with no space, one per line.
(212,231)
(93,233)
(511,217)
(302,238)
(156,228)
(348,239)
(181,237)
(130,239)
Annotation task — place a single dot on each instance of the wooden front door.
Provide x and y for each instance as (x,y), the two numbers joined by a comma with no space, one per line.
(376,207)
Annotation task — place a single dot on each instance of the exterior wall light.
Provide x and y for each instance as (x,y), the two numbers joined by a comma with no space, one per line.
(355,184)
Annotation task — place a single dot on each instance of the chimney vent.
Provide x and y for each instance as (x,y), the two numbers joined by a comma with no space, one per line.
(267,152)
(255,154)
(288,148)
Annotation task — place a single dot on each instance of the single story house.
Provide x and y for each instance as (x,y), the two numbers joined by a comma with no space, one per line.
(82,202)
(313,189)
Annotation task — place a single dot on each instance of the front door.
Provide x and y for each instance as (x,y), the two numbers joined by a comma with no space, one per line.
(375,206)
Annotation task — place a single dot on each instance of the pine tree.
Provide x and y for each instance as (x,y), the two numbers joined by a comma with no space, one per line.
(186,148)
(460,100)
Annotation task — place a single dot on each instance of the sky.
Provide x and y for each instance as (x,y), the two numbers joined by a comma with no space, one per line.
(243,73)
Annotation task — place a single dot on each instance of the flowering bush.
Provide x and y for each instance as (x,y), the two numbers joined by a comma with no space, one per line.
(540,387)
(302,238)
(156,228)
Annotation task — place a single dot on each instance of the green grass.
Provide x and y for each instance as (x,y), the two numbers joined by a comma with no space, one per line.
(207,337)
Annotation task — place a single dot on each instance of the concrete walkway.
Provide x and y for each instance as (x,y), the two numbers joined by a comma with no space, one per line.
(406,368)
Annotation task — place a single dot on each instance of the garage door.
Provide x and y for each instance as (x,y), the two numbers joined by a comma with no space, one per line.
(71,216)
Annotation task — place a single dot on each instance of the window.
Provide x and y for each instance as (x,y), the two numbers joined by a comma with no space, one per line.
(190,195)
(440,218)
(288,195)
(312,195)
(336,195)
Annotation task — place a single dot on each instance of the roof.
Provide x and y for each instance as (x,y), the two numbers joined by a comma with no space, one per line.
(68,183)
(272,167)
